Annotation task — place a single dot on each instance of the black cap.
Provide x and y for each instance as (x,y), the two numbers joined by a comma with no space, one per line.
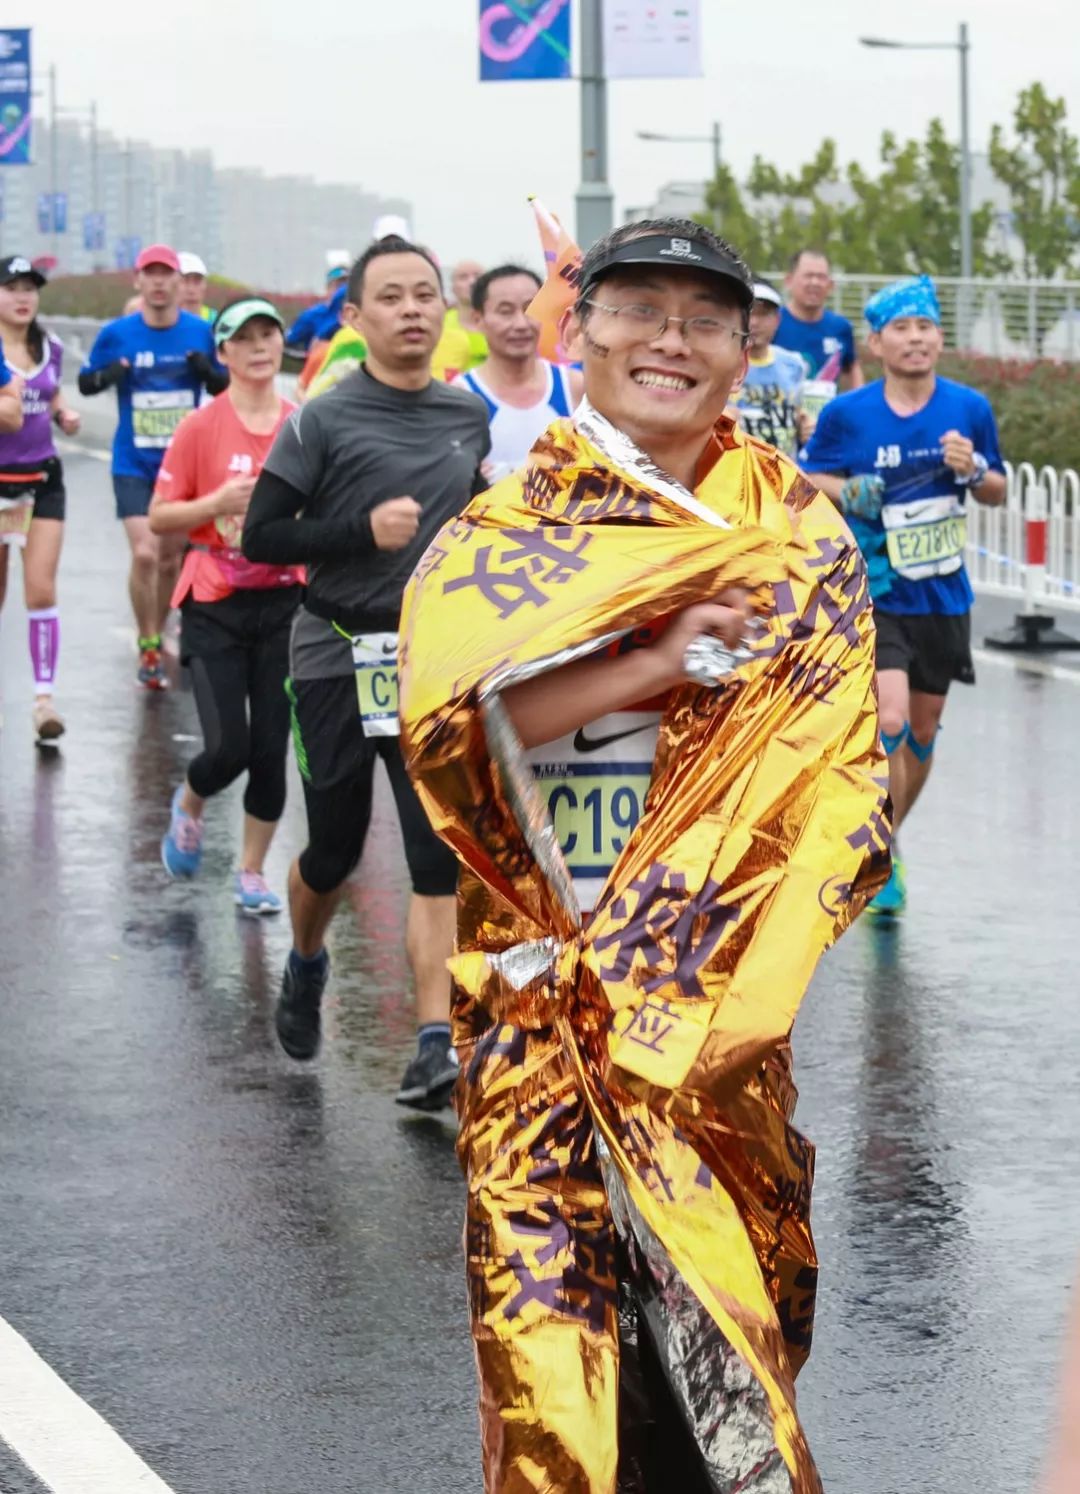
(18,267)
(672,252)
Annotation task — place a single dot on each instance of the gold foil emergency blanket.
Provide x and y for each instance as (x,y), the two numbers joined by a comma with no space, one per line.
(626,1094)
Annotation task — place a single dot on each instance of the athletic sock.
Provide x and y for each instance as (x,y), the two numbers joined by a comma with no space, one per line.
(44,648)
(305,965)
(432,1032)
(153,641)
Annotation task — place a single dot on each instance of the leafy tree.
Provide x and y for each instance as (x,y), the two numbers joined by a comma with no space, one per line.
(1042,172)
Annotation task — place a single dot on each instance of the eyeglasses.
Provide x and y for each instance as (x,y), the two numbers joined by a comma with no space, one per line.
(651,323)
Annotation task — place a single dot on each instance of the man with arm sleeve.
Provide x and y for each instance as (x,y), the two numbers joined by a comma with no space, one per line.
(356,486)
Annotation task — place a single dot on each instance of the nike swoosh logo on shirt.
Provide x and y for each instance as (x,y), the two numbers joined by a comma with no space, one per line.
(582,743)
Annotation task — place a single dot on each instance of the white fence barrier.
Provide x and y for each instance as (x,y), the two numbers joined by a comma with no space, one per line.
(1029,548)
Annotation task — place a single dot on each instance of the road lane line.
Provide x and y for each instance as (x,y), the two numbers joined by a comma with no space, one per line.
(61,1439)
(1024,664)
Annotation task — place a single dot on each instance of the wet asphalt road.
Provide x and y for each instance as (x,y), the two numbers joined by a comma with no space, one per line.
(252,1269)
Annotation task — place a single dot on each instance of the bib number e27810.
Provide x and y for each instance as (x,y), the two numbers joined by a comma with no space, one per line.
(375,662)
(926,537)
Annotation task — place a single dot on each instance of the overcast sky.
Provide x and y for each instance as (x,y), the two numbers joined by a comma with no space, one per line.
(385,93)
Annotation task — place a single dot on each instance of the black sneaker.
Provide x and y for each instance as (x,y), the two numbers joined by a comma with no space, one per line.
(428,1082)
(297,1017)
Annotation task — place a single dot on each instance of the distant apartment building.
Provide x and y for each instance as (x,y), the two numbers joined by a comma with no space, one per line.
(268,231)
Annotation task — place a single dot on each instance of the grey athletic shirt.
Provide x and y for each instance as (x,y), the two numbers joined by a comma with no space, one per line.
(350,450)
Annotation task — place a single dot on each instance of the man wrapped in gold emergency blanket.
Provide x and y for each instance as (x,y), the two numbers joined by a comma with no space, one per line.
(640,1264)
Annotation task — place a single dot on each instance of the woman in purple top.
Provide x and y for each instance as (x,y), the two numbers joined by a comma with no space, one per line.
(31,478)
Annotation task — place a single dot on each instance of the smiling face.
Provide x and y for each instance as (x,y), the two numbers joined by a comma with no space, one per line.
(254,353)
(810,283)
(19,302)
(400,312)
(660,386)
(908,346)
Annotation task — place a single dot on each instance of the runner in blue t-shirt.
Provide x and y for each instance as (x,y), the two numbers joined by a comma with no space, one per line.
(899,457)
(823,339)
(159,359)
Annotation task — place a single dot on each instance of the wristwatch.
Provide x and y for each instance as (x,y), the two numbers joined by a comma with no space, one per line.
(979,468)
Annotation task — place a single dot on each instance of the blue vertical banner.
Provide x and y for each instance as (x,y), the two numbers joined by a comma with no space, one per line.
(15,83)
(524,39)
(94,231)
(44,212)
(59,212)
(52,212)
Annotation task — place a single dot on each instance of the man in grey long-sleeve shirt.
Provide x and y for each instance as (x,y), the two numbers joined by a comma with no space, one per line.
(357,483)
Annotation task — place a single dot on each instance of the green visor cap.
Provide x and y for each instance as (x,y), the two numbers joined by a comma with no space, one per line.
(234,317)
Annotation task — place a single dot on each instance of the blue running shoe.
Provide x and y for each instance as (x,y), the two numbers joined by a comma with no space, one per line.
(251,894)
(890,901)
(181,845)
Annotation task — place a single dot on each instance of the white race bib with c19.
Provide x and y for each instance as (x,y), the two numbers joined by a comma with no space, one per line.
(925,537)
(375,662)
(594,782)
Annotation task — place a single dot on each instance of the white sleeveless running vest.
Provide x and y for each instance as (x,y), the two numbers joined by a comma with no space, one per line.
(513,431)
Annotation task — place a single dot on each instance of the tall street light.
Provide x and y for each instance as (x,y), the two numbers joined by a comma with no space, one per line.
(963,46)
(712,139)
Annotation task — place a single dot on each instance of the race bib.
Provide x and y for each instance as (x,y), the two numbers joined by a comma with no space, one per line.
(816,394)
(155,414)
(375,662)
(15,517)
(926,537)
(594,782)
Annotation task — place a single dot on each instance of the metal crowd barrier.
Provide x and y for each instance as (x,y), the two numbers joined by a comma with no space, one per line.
(1029,548)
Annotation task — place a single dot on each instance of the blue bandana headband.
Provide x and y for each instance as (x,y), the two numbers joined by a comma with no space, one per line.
(915,297)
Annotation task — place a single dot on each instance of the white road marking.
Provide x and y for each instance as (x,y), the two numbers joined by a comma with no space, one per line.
(61,1439)
(1025,664)
(76,448)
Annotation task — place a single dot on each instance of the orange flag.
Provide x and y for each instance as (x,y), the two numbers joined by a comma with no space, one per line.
(562,266)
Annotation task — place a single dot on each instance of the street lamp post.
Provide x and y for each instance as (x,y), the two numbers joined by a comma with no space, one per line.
(595,201)
(963,46)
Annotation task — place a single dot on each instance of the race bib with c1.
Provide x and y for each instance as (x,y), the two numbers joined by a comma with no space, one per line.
(925,537)
(155,414)
(375,662)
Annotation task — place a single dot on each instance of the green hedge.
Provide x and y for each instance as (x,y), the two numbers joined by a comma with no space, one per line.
(1036,404)
(103,296)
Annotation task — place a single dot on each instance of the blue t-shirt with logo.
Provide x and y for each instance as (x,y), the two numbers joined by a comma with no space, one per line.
(157,391)
(859,434)
(769,399)
(817,343)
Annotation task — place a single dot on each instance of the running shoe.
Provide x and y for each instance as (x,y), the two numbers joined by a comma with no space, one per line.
(151,669)
(892,898)
(48,723)
(298,1018)
(428,1082)
(251,894)
(181,845)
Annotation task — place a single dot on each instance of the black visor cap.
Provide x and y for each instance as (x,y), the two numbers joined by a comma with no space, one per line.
(668,251)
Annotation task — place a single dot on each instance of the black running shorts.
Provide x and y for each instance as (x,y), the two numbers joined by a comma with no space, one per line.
(933,651)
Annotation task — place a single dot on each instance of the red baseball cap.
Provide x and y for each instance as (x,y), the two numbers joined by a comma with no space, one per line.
(158,254)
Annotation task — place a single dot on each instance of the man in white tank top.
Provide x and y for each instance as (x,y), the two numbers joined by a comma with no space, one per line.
(522,392)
